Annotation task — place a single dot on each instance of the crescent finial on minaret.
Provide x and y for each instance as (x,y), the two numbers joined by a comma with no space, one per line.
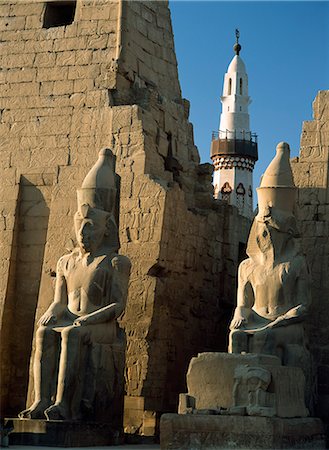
(237,46)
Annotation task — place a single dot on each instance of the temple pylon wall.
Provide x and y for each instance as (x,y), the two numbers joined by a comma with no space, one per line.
(109,78)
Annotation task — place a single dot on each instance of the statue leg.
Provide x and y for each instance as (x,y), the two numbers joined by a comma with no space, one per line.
(238,341)
(71,373)
(44,367)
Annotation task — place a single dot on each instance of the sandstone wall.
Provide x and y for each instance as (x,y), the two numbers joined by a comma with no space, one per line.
(310,171)
(109,79)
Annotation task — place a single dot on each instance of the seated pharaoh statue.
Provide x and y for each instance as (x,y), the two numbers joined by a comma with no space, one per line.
(273,283)
(90,294)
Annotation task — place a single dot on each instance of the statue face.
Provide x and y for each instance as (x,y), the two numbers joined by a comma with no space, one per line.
(254,383)
(264,238)
(90,227)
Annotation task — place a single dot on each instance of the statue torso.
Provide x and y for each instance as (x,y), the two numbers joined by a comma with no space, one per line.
(88,282)
(274,287)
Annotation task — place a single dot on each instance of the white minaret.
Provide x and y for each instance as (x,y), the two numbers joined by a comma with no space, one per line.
(234,147)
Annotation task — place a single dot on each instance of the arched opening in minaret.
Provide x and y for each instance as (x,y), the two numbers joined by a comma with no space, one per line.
(230,86)
(240,86)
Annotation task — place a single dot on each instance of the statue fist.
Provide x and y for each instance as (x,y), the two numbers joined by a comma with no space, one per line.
(83,320)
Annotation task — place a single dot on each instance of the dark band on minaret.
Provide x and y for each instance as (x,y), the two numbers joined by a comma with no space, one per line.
(237,46)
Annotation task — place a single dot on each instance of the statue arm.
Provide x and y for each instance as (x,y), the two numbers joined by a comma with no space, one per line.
(59,305)
(117,298)
(245,300)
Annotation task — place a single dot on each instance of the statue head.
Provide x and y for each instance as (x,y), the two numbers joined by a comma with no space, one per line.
(91,226)
(275,226)
(258,378)
(95,221)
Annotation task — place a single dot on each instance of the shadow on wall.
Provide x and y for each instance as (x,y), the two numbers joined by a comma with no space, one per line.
(30,232)
(312,213)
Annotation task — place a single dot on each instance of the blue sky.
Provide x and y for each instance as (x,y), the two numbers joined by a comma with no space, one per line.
(285,46)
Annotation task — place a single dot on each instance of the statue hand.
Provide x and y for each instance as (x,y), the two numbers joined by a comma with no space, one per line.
(47,318)
(238,322)
(53,313)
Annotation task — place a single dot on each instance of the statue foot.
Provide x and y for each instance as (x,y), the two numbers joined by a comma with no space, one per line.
(35,411)
(57,412)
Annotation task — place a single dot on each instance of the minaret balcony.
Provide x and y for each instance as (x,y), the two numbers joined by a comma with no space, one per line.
(233,143)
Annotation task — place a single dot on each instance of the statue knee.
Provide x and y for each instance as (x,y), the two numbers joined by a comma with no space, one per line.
(72,334)
(43,333)
(238,341)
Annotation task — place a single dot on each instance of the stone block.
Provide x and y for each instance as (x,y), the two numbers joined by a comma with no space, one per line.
(95,12)
(20,9)
(46,59)
(67,58)
(52,74)
(63,87)
(77,72)
(73,43)
(83,85)
(20,89)
(210,377)
(35,46)
(47,87)
(4,10)
(71,30)
(12,23)
(97,42)
(12,61)
(106,26)
(56,433)
(8,48)
(210,432)
(33,22)
(21,75)
(86,28)
(83,57)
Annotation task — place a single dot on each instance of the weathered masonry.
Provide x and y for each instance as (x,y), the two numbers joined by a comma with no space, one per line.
(77,77)
(311,175)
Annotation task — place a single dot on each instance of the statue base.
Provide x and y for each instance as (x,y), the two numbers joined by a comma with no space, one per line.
(178,431)
(58,433)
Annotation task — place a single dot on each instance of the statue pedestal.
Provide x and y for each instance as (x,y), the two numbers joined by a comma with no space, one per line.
(190,431)
(241,401)
(211,383)
(58,433)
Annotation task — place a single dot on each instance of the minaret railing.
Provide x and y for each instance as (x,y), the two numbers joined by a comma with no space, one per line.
(234,135)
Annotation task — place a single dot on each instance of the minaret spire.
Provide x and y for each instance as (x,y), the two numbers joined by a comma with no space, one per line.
(234,148)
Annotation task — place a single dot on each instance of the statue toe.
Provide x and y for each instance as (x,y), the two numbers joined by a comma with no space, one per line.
(34,412)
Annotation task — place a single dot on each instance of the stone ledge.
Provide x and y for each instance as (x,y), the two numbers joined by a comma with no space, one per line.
(193,432)
(57,433)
